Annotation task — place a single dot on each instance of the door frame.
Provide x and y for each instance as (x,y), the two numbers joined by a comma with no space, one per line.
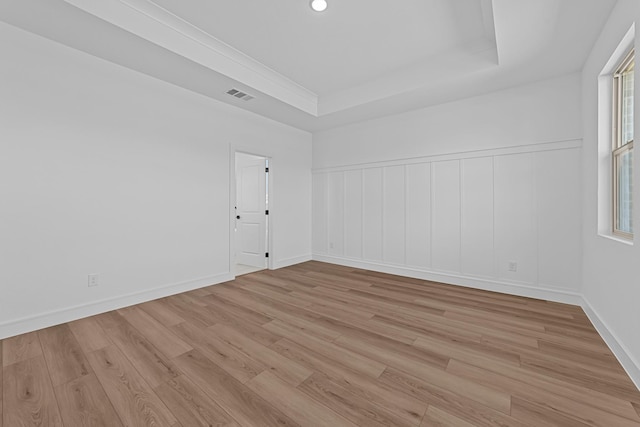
(233,149)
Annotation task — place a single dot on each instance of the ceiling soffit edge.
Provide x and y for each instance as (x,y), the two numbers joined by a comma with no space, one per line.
(477,57)
(159,26)
(488,19)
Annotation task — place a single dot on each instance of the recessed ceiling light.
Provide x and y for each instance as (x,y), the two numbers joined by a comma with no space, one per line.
(318,5)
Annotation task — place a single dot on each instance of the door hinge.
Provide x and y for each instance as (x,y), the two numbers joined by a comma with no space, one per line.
(266,170)
(266,254)
(266,212)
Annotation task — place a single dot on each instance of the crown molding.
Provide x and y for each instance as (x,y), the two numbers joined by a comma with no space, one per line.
(153,23)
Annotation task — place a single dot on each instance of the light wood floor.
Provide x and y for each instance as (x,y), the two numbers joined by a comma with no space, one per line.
(317,344)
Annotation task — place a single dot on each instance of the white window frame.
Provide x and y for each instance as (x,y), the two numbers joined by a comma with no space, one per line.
(619,146)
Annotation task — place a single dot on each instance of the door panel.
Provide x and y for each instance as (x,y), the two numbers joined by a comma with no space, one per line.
(250,238)
(251,205)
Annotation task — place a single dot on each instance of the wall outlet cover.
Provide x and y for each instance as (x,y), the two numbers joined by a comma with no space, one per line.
(93,280)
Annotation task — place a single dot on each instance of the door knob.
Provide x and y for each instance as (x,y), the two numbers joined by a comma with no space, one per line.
(237,216)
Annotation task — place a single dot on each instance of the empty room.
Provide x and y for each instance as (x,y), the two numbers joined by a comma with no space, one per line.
(319,213)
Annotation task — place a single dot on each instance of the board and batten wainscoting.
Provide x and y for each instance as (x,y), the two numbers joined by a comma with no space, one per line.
(505,220)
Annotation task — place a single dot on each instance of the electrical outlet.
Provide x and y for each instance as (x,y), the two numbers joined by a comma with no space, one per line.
(513,266)
(331,245)
(94,280)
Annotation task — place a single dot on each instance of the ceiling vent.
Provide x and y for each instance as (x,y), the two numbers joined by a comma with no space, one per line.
(240,95)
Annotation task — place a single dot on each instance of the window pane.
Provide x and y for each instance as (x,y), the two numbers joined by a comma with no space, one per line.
(627,106)
(624,221)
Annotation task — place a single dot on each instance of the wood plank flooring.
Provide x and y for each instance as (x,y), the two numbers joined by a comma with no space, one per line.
(320,345)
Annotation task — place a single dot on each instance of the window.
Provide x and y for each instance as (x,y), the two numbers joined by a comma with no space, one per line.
(622,150)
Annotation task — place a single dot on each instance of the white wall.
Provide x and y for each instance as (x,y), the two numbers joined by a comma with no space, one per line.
(547,111)
(456,192)
(611,269)
(104,170)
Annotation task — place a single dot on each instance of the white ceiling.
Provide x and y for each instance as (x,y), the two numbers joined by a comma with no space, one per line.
(356,61)
(352,42)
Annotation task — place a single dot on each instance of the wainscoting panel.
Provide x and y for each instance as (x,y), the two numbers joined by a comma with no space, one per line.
(319,207)
(394,223)
(515,218)
(418,215)
(353,214)
(445,211)
(336,213)
(477,254)
(505,216)
(372,215)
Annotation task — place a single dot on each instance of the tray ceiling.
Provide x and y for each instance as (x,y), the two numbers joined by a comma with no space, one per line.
(355,61)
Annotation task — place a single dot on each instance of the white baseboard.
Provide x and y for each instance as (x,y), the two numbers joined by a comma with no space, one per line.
(291,261)
(56,317)
(628,362)
(530,291)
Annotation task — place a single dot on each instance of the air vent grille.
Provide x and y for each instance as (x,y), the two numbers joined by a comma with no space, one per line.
(240,95)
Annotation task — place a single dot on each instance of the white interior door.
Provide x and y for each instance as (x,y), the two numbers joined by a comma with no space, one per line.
(251,205)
